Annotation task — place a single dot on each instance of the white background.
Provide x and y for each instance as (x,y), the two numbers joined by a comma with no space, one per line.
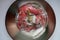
(4,5)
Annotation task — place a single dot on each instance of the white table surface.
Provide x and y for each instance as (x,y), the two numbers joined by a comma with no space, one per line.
(4,5)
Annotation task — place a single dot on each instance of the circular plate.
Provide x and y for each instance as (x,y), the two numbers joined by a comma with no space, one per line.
(11,24)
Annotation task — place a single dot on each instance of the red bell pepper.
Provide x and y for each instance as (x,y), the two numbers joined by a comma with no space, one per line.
(23,14)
